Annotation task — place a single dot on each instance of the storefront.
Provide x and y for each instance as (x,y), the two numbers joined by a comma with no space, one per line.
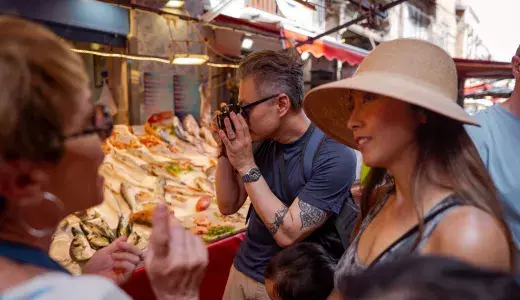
(85,25)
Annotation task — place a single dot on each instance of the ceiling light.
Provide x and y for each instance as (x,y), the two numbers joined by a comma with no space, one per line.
(305,55)
(189,59)
(247,43)
(175,3)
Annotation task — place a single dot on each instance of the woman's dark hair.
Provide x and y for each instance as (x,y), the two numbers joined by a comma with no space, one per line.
(449,159)
(2,206)
(302,271)
(429,278)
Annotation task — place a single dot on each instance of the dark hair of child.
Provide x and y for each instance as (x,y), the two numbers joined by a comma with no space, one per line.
(302,271)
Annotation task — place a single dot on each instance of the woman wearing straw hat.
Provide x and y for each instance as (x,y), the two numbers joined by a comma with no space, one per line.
(399,110)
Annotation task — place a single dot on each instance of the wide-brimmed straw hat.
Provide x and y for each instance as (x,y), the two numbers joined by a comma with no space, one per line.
(410,70)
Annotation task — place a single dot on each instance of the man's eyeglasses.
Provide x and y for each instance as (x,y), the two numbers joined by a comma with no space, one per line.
(102,124)
(246,108)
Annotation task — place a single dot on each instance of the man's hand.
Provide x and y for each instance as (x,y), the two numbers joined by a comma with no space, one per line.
(176,259)
(116,261)
(238,143)
(214,129)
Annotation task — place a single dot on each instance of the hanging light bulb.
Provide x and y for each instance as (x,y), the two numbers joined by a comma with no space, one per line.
(174,4)
(305,55)
(247,43)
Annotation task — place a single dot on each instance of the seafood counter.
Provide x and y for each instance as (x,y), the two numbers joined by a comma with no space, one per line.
(165,161)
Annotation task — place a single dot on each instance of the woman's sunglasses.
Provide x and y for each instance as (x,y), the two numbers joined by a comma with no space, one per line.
(102,124)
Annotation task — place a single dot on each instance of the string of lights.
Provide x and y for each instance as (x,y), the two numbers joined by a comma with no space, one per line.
(177,59)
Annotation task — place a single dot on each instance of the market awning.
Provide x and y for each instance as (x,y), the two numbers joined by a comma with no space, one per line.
(330,49)
(468,68)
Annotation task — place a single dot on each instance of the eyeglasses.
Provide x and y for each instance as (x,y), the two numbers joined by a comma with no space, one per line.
(102,124)
(247,107)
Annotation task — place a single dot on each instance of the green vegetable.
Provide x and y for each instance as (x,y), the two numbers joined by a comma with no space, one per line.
(220,229)
(174,169)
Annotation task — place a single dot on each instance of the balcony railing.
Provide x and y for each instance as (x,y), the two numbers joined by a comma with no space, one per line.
(265,5)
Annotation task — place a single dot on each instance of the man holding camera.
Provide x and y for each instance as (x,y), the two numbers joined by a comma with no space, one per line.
(297,178)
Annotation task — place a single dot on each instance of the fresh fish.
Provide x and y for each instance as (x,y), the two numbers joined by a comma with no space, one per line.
(142,155)
(95,237)
(98,242)
(182,191)
(134,238)
(142,243)
(208,137)
(106,229)
(165,152)
(210,150)
(205,185)
(111,200)
(210,173)
(80,249)
(180,199)
(88,214)
(190,125)
(158,170)
(112,181)
(124,228)
(136,178)
(98,229)
(127,161)
(167,136)
(159,189)
(128,196)
(201,220)
(180,132)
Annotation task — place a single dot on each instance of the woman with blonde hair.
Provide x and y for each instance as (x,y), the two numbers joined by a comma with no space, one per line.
(50,152)
(428,191)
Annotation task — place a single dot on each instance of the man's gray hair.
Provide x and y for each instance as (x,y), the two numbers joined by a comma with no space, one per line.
(275,72)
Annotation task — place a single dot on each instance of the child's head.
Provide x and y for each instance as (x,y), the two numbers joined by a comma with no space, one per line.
(301,271)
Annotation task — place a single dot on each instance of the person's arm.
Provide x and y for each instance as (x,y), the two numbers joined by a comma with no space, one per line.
(479,239)
(230,190)
(323,194)
(288,225)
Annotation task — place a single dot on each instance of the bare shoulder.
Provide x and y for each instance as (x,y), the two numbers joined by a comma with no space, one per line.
(473,235)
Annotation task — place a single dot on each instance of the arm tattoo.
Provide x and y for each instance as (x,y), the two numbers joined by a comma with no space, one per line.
(278,220)
(311,215)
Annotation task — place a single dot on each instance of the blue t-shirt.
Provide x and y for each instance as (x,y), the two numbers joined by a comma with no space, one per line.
(498,143)
(333,172)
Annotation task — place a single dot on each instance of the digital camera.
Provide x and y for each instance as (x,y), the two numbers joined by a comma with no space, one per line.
(225,109)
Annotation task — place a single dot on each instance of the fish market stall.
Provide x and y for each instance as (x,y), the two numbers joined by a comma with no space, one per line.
(168,161)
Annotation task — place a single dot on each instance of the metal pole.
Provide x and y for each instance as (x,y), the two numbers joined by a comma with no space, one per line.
(130,7)
(351,22)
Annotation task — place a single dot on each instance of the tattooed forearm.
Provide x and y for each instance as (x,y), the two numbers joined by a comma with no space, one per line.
(278,220)
(311,215)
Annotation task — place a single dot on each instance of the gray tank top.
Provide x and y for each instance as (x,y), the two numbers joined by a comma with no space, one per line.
(350,263)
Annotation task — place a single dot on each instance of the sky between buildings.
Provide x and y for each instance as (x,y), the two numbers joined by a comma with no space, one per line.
(499,26)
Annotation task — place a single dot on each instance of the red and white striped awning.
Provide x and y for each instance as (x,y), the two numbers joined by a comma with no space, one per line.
(330,49)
